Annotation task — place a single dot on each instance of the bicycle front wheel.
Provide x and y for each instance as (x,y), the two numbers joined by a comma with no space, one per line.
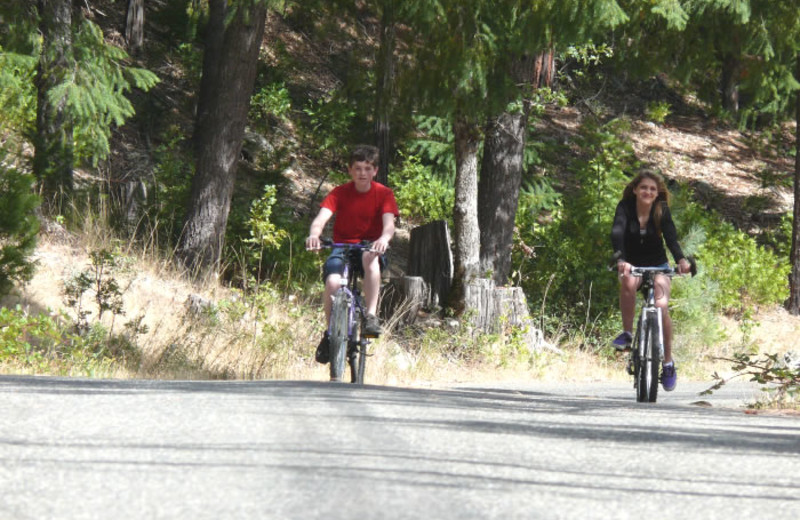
(647,371)
(340,318)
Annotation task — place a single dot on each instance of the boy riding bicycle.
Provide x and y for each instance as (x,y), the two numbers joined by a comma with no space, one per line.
(365,211)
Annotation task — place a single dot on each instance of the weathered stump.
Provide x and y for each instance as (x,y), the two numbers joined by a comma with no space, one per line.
(429,279)
(431,258)
(404,297)
(489,306)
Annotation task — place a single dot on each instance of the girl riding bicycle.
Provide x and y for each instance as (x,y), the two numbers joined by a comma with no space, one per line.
(642,224)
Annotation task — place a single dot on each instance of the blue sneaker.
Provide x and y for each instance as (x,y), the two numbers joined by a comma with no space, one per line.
(623,341)
(669,377)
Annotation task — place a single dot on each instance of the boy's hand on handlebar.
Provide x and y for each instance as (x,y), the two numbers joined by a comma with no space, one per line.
(623,268)
(380,246)
(313,243)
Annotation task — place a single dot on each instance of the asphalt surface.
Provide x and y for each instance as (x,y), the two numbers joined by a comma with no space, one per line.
(75,449)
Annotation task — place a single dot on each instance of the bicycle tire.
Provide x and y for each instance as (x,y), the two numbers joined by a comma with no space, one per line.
(362,362)
(647,369)
(338,334)
(357,358)
(655,357)
(642,368)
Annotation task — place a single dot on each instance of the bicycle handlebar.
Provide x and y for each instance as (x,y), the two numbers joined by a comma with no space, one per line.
(639,271)
(327,243)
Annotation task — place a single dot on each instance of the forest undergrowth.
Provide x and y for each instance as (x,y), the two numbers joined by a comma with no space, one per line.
(109,301)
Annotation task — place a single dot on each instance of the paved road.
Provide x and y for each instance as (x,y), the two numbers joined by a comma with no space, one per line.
(73,449)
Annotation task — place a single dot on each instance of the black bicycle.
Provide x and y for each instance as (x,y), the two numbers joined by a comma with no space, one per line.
(347,317)
(647,348)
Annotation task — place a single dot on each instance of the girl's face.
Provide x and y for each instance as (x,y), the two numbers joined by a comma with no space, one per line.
(647,191)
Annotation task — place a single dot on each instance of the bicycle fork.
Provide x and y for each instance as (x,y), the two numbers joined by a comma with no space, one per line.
(640,351)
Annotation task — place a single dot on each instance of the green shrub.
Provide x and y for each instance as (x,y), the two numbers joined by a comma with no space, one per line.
(746,272)
(270,105)
(172,177)
(567,271)
(657,111)
(43,344)
(422,196)
(18,226)
(329,124)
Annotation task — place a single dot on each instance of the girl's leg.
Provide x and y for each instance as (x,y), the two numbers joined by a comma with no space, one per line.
(627,300)
(662,292)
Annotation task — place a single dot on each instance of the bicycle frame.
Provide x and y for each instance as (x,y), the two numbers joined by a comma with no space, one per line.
(648,353)
(348,294)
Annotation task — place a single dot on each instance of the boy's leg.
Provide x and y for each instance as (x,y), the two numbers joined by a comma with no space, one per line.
(332,284)
(372,286)
(372,281)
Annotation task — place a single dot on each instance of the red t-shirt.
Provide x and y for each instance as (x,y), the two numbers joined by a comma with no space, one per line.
(359,216)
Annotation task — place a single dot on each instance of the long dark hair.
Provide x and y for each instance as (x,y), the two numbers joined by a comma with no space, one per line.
(662,199)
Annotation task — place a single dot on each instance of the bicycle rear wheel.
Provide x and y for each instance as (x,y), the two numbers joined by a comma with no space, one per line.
(362,361)
(338,334)
(357,358)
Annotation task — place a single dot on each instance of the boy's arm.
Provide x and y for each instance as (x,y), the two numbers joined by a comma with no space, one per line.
(317,225)
(382,244)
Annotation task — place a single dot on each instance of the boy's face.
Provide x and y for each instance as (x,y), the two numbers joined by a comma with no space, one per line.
(362,173)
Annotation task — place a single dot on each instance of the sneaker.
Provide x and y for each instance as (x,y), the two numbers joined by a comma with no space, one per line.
(669,377)
(323,353)
(623,341)
(372,326)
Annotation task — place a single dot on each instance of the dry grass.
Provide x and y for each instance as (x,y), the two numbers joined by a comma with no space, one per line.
(222,335)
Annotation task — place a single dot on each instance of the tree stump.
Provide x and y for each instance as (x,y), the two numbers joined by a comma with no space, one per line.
(404,297)
(431,258)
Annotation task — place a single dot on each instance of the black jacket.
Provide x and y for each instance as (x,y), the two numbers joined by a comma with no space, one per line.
(643,250)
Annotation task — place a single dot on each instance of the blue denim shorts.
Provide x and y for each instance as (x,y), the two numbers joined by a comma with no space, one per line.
(336,261)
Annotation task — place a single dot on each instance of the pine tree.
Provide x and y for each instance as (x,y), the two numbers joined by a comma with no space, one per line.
(233,40)
(465,50)
(65,92)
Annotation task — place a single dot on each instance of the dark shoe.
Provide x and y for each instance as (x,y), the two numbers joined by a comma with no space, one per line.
(669,377)
(323,353)
(623,341)
(372,327)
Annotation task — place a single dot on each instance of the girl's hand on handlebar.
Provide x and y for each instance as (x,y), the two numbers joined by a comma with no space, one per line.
(683,266)
(623,268)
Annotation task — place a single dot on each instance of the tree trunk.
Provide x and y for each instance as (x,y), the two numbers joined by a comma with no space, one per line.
(729,82)
(229,71)
(465,212)
(53,155)
(793,305)
(498,192)
(385,91)
(502,169)
(134,25)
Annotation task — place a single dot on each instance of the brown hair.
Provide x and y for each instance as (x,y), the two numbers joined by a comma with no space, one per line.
(662,199)
(364,153)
